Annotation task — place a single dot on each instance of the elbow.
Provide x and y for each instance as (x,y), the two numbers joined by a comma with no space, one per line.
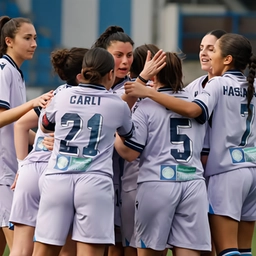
(130,158)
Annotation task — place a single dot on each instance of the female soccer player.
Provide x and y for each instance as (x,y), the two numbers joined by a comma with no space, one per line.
(131,169)
(231,165)
(85,119)
(67,64)
(170,177)
(120,45)
(17,44)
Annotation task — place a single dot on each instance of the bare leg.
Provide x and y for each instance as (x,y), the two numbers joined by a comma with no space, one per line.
(2,242)
(69,248)
(41,249)
(8,236)
(116,250)
(149,252)
(185,252)
(245,234)
(165,252)
(130,251)
(224,232)
(211,253)
(90,249)
(22,240)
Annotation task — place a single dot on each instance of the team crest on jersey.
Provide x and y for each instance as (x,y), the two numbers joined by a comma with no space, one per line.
(2,65)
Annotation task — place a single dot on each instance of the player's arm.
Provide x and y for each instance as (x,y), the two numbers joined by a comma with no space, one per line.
(125,152)
(23,136)
(182,107)
(13,114)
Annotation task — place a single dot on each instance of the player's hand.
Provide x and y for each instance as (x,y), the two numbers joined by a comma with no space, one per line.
(49,141)
(137,89)
(43,100)
(15,181)
(154,65)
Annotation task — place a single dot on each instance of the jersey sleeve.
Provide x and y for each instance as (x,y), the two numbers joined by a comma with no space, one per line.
(5,83)
(208,99)
(48,119)
(138,141)
(126,130)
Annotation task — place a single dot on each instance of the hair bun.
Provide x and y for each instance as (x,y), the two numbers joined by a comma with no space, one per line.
(114,29)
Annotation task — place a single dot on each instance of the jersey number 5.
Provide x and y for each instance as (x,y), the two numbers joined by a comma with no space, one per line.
(177,138)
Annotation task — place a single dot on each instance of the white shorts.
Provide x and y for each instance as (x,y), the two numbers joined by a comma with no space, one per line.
(26,195)
(174,213)
(6,197)
(233,194)
(127,217)
(84,202)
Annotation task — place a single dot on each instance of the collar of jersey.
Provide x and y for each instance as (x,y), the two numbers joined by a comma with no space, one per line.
(234,72)
(93,86)
(8,58)
(125,79)
(164,89)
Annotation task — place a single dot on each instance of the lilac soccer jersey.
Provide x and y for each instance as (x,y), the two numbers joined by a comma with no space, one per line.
(12,94)
(233,137)
(196,87)
(170,149)
(86,117)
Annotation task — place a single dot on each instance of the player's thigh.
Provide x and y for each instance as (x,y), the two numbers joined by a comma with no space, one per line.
(6,197)
(153,220)
(2,242)
(94,209)
(190,226)
(22,240)
(56,209)
(27,194)
(222,187)
(127,216)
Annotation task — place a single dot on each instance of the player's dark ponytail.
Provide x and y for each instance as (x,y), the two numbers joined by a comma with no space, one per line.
(9,28)
(240,48)
(97,63)
(250,79)
(111,34)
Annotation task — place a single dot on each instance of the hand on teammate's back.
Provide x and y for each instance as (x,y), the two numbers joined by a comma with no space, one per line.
(43,99)
(49,141)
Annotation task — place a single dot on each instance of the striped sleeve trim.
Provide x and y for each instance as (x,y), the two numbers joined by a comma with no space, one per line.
(205,152)
(134,145)
(205,115)
(4,104)
(129,134)
(38,110)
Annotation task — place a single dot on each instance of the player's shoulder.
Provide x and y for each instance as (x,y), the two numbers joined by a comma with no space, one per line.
(5,66)
(61,87)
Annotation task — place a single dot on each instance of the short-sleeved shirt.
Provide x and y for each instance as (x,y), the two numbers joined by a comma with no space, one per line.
(39,152)
(170,144)
(12,94)
(233,133)
(86,118)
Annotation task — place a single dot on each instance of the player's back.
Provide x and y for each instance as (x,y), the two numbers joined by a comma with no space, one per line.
(233,137)
(171,143)
(87,117)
